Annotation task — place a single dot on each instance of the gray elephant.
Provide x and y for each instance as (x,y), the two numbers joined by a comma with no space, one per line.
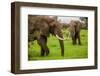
(40,27)
(74,29)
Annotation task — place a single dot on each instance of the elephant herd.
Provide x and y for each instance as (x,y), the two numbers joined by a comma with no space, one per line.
(40,28)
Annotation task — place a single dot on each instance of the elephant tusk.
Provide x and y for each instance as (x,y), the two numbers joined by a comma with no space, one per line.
(60,37)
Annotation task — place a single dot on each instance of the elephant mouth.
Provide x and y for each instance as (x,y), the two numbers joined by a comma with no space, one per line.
(66,36)
(60,37)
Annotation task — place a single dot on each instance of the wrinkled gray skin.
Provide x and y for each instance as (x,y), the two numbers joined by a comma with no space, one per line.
(74,28)
(40,27)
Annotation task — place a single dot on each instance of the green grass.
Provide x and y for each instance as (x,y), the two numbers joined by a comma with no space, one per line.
(71,51)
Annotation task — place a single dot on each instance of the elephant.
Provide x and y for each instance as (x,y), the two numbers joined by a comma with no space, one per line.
(74,30)
(40,27)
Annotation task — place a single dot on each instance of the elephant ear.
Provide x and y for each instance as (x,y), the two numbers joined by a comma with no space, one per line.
(79,24)
(44,29)
(53,24)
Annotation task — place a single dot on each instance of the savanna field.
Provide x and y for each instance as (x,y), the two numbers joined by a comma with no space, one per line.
(70,51)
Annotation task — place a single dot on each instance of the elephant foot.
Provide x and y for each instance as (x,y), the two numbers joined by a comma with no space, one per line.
(74,43)
(79,44)
(62,55)
(42,53)
(47,53)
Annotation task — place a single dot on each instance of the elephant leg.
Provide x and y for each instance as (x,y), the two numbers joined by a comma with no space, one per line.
(73,34)
(42,52)
(74,40)
(46,47)
(79,41)
(76,37)
(43,43)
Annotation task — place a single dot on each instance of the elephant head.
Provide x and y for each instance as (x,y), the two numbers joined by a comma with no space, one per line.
(74,28)
(56,31)
(40,27)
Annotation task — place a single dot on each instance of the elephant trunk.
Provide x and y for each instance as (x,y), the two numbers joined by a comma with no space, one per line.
(62,47)
(60,37)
